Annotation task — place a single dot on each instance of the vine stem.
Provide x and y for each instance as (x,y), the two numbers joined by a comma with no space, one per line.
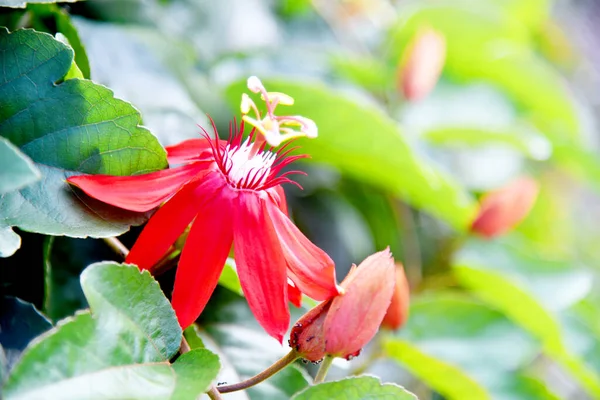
(213,393)
(258,378)
(322,373)
(116,245)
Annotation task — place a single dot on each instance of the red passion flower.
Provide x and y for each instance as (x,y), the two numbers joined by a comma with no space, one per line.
(230,191)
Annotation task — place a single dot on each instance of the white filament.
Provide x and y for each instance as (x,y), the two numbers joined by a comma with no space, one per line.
(241,166)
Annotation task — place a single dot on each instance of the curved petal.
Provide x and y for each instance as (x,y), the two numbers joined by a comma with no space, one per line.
(277,194)
(202,260)
(260,264)
(169,222)
(294,294)
(137,192)
(310,268)
(354,317)
(191,150)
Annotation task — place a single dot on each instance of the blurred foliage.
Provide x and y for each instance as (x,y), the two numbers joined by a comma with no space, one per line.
(513,317)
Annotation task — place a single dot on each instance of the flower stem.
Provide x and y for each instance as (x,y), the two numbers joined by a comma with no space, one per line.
(185,346)
(322,373)
(213,393)
(258,378)
(117,246)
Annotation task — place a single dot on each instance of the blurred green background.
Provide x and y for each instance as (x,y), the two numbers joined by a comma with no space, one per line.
(514,317)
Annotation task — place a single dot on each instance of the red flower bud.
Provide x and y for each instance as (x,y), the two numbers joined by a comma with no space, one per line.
(502,209)
(342,325)
(422,64)
(397,313)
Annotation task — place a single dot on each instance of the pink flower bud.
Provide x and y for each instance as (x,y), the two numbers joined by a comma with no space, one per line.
(502,209)
(397,313)
(422,64)
(342,325)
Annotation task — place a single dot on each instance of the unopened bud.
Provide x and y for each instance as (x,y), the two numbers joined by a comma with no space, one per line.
(342,325)
(397,313)
(502,209)
(422,64)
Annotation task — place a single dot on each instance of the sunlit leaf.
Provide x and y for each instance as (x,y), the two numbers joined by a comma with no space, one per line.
(94,133)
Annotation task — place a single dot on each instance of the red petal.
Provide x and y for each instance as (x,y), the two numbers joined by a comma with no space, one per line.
(191,150)
(355,316)
(260,264)
(169,222)
(138,192)
(310,268)
(277,194)
(203,259)
(294,294)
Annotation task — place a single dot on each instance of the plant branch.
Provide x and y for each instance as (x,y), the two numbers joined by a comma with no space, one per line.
(213,393)
(325,365)
(116,245)
(258,378)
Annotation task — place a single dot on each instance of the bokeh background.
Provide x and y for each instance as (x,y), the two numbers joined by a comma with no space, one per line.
(512,317)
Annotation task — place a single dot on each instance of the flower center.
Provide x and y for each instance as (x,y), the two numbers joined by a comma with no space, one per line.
(245,169)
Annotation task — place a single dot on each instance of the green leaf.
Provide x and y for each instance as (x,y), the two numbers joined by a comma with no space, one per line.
(355,388)
(16,169)
(121,350)
(364,143)
(9,242)
(53,19)
(448,341)
(229,329)
(73,127)
(445,378)
(108,289)
(23,3)
(195,371)
(20,322)
(530,291)
(77,360)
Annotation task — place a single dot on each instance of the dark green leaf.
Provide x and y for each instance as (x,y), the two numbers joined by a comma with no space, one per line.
(355,388)
(122,351)
(364,143)
(16,169)
(20,322)
(76,126)
(195,371)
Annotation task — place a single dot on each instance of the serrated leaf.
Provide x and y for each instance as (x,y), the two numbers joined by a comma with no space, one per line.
(73,127)
(121,350)
(77,360)
(20,322)
(195,371)
(355,388)
(23,3)
(108,289)
(16,169)
(364,143)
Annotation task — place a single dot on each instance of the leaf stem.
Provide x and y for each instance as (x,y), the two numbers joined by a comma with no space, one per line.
(116,245)
(213,393)
(258,378)
(322,373)
(185,346)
